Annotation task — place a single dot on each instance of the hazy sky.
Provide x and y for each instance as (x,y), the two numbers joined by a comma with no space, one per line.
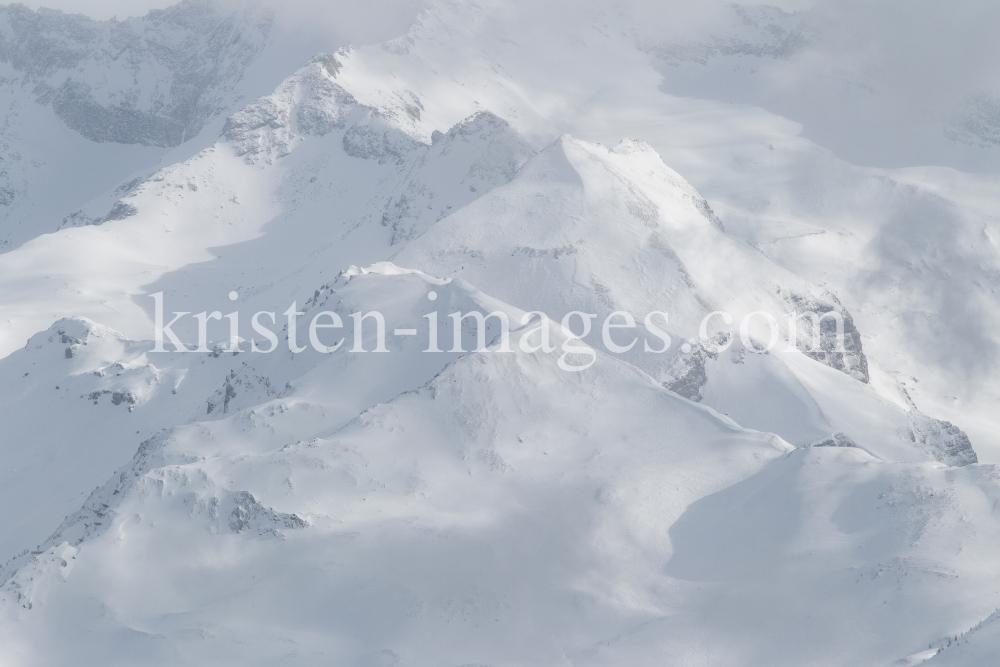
(105,9)
(102,9)
(876,80)
(329,23)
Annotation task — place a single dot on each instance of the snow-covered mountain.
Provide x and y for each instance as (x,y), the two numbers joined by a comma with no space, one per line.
(77,92)
(700,494)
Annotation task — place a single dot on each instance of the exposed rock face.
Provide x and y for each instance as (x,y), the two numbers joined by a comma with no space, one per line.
(691,373)
(125,86)
(760,31)
(236,511)
(818,338)
(154,80)
(941,439)
(847,357)
(702,205)
(378,140)
(311,103)
(836,440)
(249,515)
(483,151)
(120,211)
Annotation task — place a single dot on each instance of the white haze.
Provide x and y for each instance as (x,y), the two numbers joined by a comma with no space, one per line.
(874,83)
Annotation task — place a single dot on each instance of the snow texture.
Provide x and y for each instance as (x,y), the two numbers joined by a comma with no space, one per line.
(830,498)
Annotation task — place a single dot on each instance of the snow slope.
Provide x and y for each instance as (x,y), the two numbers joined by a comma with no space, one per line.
(702,500)
(78,92)
(125,96)
(463,463)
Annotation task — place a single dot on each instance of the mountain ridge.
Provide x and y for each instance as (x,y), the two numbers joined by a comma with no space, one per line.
(702,497)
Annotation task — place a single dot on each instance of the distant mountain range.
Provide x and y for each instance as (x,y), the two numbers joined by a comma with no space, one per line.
(744,484)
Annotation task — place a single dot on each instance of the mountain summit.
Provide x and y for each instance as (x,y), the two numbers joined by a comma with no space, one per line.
(489,344)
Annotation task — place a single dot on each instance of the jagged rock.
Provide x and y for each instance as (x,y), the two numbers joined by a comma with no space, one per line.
(310,103)
(120,211)
(759,31)
(378,140)
(89,71)
(702,205)
(851,358)
(690,371)
(325,108)
(248,514)
(944,441)
(483,151)
(835,440)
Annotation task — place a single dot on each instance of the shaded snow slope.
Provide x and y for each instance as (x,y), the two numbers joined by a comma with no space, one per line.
(337,191)
(586,228)
(105,394)
(91,108)
(900,249)
(153,80)
(495,495)
(501,456)
(88,103)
